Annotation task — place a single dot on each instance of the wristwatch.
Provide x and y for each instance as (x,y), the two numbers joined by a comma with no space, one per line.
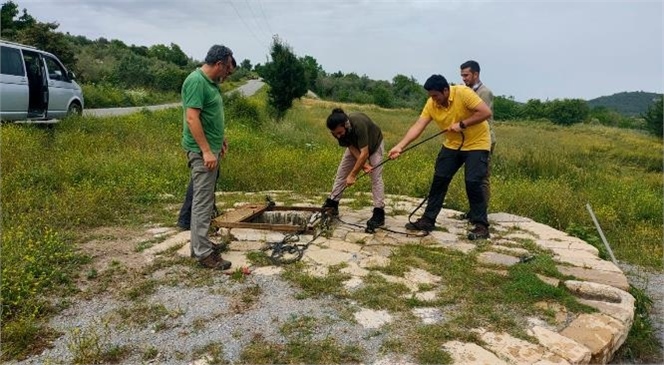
(462,125)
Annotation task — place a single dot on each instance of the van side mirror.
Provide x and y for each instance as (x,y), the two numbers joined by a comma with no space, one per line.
(71,75)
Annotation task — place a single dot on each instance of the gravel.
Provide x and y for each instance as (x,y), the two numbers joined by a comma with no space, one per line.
(220,308)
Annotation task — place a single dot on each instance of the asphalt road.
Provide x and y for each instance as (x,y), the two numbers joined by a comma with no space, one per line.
(248,89)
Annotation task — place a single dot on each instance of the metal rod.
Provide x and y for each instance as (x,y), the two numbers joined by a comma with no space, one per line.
(388,159)
(601,234)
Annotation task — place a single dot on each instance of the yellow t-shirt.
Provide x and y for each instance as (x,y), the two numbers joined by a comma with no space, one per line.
(462,101)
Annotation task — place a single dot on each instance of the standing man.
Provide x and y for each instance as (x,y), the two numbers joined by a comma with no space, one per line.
(470,74)
(363,140)
(204,141)
(460,112)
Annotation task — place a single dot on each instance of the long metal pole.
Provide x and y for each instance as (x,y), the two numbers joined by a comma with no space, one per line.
(601,234)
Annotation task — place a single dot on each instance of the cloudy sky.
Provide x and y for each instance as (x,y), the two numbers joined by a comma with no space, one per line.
(535,49)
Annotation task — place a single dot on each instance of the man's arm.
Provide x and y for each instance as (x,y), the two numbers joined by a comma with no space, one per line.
(361,155)
(196,129)
(413,132)
(480,113)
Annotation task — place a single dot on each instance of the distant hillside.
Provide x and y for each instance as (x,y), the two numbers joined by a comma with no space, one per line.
(627,103)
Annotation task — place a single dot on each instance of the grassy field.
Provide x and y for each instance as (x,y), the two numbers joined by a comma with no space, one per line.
(90,172)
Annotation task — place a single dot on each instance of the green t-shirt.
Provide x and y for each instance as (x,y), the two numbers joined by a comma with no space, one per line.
(364,132)
(199,92)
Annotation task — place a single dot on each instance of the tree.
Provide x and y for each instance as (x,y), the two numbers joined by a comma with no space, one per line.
(654,117)
(246,64)
(285,75)
(505,108)
(533,109)
(567,111)
(311,71)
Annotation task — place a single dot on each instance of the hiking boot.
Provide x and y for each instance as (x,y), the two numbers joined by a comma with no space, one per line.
(219,247)
(377,219)
(331,207)
(215,262)
(479,232)
(422,224)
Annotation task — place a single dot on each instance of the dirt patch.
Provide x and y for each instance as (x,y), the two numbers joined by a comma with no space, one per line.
(114,244)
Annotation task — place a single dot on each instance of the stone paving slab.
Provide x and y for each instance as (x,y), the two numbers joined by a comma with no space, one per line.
(588,338)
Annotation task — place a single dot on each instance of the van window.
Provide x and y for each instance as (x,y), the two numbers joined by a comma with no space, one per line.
(12,63)
(55,70)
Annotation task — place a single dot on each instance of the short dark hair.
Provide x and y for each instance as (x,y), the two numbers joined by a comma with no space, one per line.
(219,53)
(473,65)
(436,83)
(336,118)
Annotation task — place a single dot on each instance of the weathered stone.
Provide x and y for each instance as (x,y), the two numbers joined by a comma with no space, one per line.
(428,315)
(471,354)
(267,270)
(513,251)
(352,283)
(440,237)
(328,256)
(588,262)
(161,231)
(551,281)
(317,271)
(354,269)
(384,251)
(515,350)
(358,237)
(370,318)
(612,278)
(460,246)
(572,351)
(374,261)
(246,246)
(506,218)
(394,359)
(412,286)
(614,302)
(568,243)
(419,276)
(343,246)
(494,258)
(178,239)
(598,332)
(427,296)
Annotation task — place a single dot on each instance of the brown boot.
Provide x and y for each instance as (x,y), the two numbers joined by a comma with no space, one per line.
(215,262)
(479,232)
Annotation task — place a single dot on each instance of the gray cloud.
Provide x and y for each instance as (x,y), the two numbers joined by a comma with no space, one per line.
(526,49)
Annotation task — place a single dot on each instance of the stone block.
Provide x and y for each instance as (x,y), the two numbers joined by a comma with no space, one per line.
(570,350)
(598,332)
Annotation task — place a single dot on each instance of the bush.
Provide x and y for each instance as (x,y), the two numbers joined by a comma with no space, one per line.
(654,118)
(567,111)
(240,109)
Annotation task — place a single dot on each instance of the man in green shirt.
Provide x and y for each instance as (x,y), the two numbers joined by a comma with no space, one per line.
(204,141)
(363,140)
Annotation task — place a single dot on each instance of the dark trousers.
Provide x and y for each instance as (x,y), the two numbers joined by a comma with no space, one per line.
(476,169)
(184,219)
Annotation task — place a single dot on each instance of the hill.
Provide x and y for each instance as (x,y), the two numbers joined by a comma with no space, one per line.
(628,103)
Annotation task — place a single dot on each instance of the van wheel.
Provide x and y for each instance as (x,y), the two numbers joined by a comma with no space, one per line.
(74,109)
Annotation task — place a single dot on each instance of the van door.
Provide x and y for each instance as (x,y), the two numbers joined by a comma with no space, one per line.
(60,88)
(13,85)
(38,94)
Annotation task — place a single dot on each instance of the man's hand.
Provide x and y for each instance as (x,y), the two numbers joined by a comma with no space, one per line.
(210,160)
(350,180)
(456,127)
(367,168)
(395,152)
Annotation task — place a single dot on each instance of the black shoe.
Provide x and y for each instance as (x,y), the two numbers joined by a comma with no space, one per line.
(377,219)
(479,232)
(215,262)
(464,216)
(331,207)
(422,224)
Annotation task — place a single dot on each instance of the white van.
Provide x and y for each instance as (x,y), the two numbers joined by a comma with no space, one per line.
(34,85)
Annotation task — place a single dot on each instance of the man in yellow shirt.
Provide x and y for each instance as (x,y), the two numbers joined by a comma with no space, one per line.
(459,111)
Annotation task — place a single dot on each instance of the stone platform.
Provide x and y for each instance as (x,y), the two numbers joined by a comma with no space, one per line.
(576,339)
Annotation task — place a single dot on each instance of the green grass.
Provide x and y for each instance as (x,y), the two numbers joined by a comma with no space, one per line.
(83,173)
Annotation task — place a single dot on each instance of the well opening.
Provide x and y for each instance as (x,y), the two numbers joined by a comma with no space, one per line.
(268,217)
